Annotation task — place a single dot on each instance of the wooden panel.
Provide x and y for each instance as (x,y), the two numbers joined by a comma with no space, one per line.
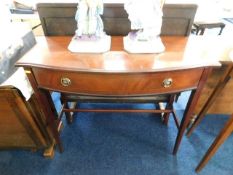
(224,102)
(13,133)
(18,128)
(178,19)
(211,83)
(115,18)
(57,26)
(116,26)
(174,24)
(118,83)
(58,10)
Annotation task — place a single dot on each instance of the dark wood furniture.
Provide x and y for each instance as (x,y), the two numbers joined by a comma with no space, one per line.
(200,26)
(69,104)
(216,97)
(220,100)
(22,123)
(219,140)
(218,87)
(58,19)
(115,73)
(219,97)
(177,20)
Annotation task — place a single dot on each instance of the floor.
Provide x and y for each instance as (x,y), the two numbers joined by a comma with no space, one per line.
(125,144)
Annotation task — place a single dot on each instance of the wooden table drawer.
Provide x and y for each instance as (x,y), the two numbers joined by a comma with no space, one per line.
(117,83)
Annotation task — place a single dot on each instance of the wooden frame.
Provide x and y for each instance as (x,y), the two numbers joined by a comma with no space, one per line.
(58,19)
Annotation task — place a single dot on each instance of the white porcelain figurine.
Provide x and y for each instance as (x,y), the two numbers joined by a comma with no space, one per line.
(90,36)
(146,21)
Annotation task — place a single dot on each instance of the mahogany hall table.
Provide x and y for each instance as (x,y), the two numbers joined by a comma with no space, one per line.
(51,67)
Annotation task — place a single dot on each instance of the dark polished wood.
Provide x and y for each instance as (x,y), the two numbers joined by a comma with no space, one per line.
(213,98)
(195,94)
(220,81)
(22,124)
(202,25)
(117,73)
(121,84)
(223,102)
(44,99)
(216,97)
(181,53)
(219,140)
(59,18)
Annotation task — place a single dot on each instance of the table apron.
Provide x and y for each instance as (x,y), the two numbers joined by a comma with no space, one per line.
(118,84)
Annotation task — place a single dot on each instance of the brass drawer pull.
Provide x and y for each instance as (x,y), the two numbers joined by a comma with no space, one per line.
(167,82)
(65,81)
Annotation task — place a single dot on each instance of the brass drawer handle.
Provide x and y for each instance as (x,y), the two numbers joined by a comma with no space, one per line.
(167,82)
(65,81)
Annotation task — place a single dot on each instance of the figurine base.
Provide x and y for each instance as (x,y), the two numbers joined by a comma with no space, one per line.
(152,46)
(99,45)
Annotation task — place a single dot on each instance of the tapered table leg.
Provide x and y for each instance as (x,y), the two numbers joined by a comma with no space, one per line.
(195,94)
(222,136)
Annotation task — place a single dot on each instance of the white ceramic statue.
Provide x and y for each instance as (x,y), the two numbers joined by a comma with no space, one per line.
(88,18)
(146,21)
(90,35)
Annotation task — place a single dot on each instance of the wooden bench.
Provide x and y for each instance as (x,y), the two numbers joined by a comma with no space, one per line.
(202,25)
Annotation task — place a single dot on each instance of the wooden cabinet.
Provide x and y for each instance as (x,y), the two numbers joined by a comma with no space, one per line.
(22,123)
(216,97)
(219,87)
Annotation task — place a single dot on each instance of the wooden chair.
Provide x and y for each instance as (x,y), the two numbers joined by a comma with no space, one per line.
(59,19)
